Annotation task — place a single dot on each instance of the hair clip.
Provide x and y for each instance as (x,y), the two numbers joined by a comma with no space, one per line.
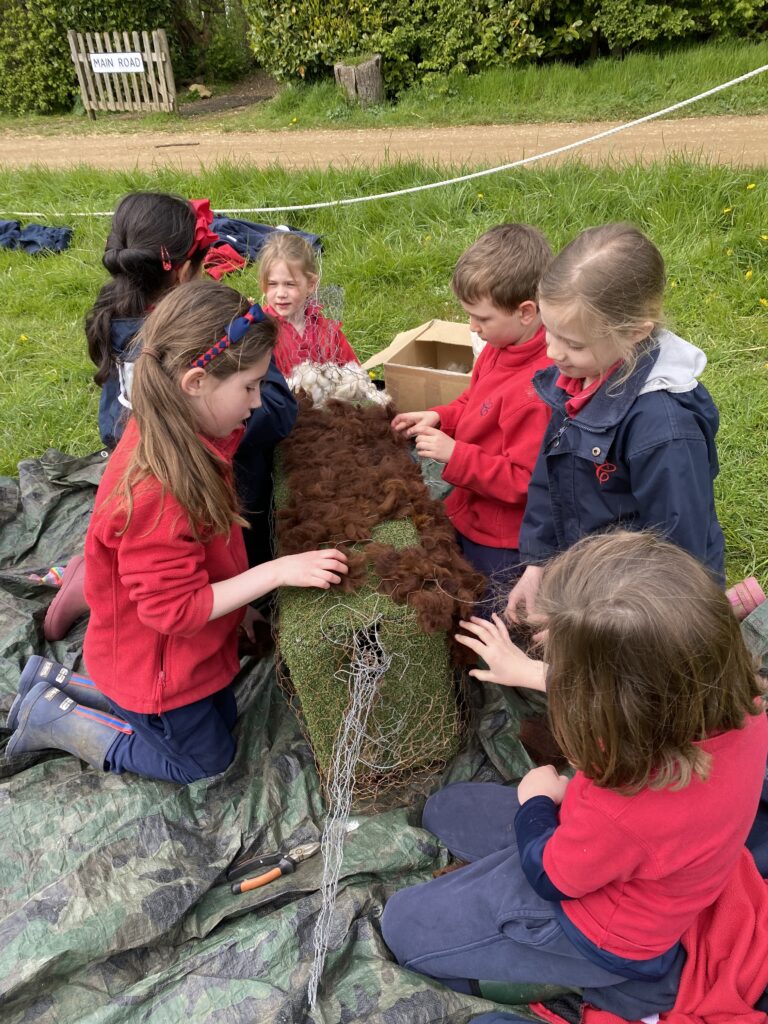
(166,258)
(234,334)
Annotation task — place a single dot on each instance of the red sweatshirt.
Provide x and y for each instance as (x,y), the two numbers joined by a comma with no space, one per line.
(149,645)
(323,341)
(498,424)
(641,868)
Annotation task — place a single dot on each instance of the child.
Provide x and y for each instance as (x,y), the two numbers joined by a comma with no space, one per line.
(166,572)
(654,699)
(631,441)
(157,242)
(490,436)
(288,277)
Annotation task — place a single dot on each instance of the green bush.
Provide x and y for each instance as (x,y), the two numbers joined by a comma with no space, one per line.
(418,38)
(626,22)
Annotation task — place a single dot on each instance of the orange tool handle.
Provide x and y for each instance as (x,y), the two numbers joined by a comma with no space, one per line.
(256,883)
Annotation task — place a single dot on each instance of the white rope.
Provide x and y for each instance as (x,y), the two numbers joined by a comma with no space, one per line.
(463,177)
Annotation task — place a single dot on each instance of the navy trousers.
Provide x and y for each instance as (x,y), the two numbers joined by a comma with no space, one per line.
(501,566)
(483,921)
(189,743)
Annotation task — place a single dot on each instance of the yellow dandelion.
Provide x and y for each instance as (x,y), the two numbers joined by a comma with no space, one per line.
(673,284)
(751,185)
(763,302)
(481,195)
(729,252)
(23,337)
(294,120)
(372,375)
(727,209)
(748,275)
(764,238)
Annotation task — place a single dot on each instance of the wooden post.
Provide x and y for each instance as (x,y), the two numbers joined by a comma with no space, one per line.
(362,82)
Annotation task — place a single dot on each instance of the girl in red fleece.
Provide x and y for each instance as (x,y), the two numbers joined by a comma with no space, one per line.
(288,277)
(167,577)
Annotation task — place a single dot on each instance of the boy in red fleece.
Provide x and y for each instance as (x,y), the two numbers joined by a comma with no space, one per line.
(490,436)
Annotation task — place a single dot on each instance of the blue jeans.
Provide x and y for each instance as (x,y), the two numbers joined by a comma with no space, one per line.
(183,745)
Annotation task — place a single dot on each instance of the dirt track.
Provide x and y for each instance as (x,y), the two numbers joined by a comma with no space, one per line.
(733,140)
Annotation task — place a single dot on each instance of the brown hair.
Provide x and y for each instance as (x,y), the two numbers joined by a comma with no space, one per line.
(184,324)
(503,265)
(646,658)
(614,279)
(292,249)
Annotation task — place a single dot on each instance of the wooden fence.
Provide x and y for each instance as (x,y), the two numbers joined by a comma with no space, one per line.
(151,89)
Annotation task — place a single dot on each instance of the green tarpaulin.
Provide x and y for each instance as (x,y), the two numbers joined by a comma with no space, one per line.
(113,904)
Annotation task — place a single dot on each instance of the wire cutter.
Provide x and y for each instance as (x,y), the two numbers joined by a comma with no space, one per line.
(284,864)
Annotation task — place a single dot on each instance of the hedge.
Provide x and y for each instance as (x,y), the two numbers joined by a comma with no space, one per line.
(301,38)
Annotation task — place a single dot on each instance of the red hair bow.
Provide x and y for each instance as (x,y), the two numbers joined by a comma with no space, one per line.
(204,237)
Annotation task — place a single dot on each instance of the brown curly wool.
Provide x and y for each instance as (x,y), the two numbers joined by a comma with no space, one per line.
(346,472)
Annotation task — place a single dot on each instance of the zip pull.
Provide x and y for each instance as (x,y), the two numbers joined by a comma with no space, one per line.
(555,441)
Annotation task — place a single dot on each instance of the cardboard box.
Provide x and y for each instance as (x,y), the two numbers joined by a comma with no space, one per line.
(415,365)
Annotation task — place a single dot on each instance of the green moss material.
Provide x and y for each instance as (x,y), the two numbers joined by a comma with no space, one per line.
(415,721)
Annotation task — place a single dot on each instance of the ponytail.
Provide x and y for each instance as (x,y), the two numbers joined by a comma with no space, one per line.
(186,323)
(151,235)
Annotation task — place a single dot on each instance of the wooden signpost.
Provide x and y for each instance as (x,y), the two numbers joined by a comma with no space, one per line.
(123,70)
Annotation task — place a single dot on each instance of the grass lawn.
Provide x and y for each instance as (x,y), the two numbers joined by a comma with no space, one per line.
(393,259)
(598,90)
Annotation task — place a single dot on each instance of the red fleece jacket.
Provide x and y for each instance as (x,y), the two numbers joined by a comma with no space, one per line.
(149,645)
(498,424)
(727,967)
(323,341)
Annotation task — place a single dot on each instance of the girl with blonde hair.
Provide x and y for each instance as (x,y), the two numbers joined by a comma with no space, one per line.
(631,439)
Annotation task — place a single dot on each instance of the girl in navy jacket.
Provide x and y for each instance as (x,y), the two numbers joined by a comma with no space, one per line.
(631,440)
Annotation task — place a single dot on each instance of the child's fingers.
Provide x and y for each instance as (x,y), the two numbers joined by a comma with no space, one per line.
(481,628)
(474,645)
(482,675)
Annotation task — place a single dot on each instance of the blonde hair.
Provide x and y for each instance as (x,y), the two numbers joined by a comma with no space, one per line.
(503,265)
(183,325)
(613,278)
(646,659)
(291,249)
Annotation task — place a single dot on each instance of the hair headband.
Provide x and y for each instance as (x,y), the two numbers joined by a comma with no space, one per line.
(232,335)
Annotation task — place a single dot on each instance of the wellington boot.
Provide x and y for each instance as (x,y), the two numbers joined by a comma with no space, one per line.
(50,720)
(79,687)
(69,603)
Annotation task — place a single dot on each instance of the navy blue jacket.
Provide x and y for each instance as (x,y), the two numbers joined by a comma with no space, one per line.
(266,427)
(112,414)
(627,459)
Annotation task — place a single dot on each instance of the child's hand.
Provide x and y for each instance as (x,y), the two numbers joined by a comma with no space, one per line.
(507,664)
(523,594)
(311,569)
(543,781)
(434,444)
(414,422)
